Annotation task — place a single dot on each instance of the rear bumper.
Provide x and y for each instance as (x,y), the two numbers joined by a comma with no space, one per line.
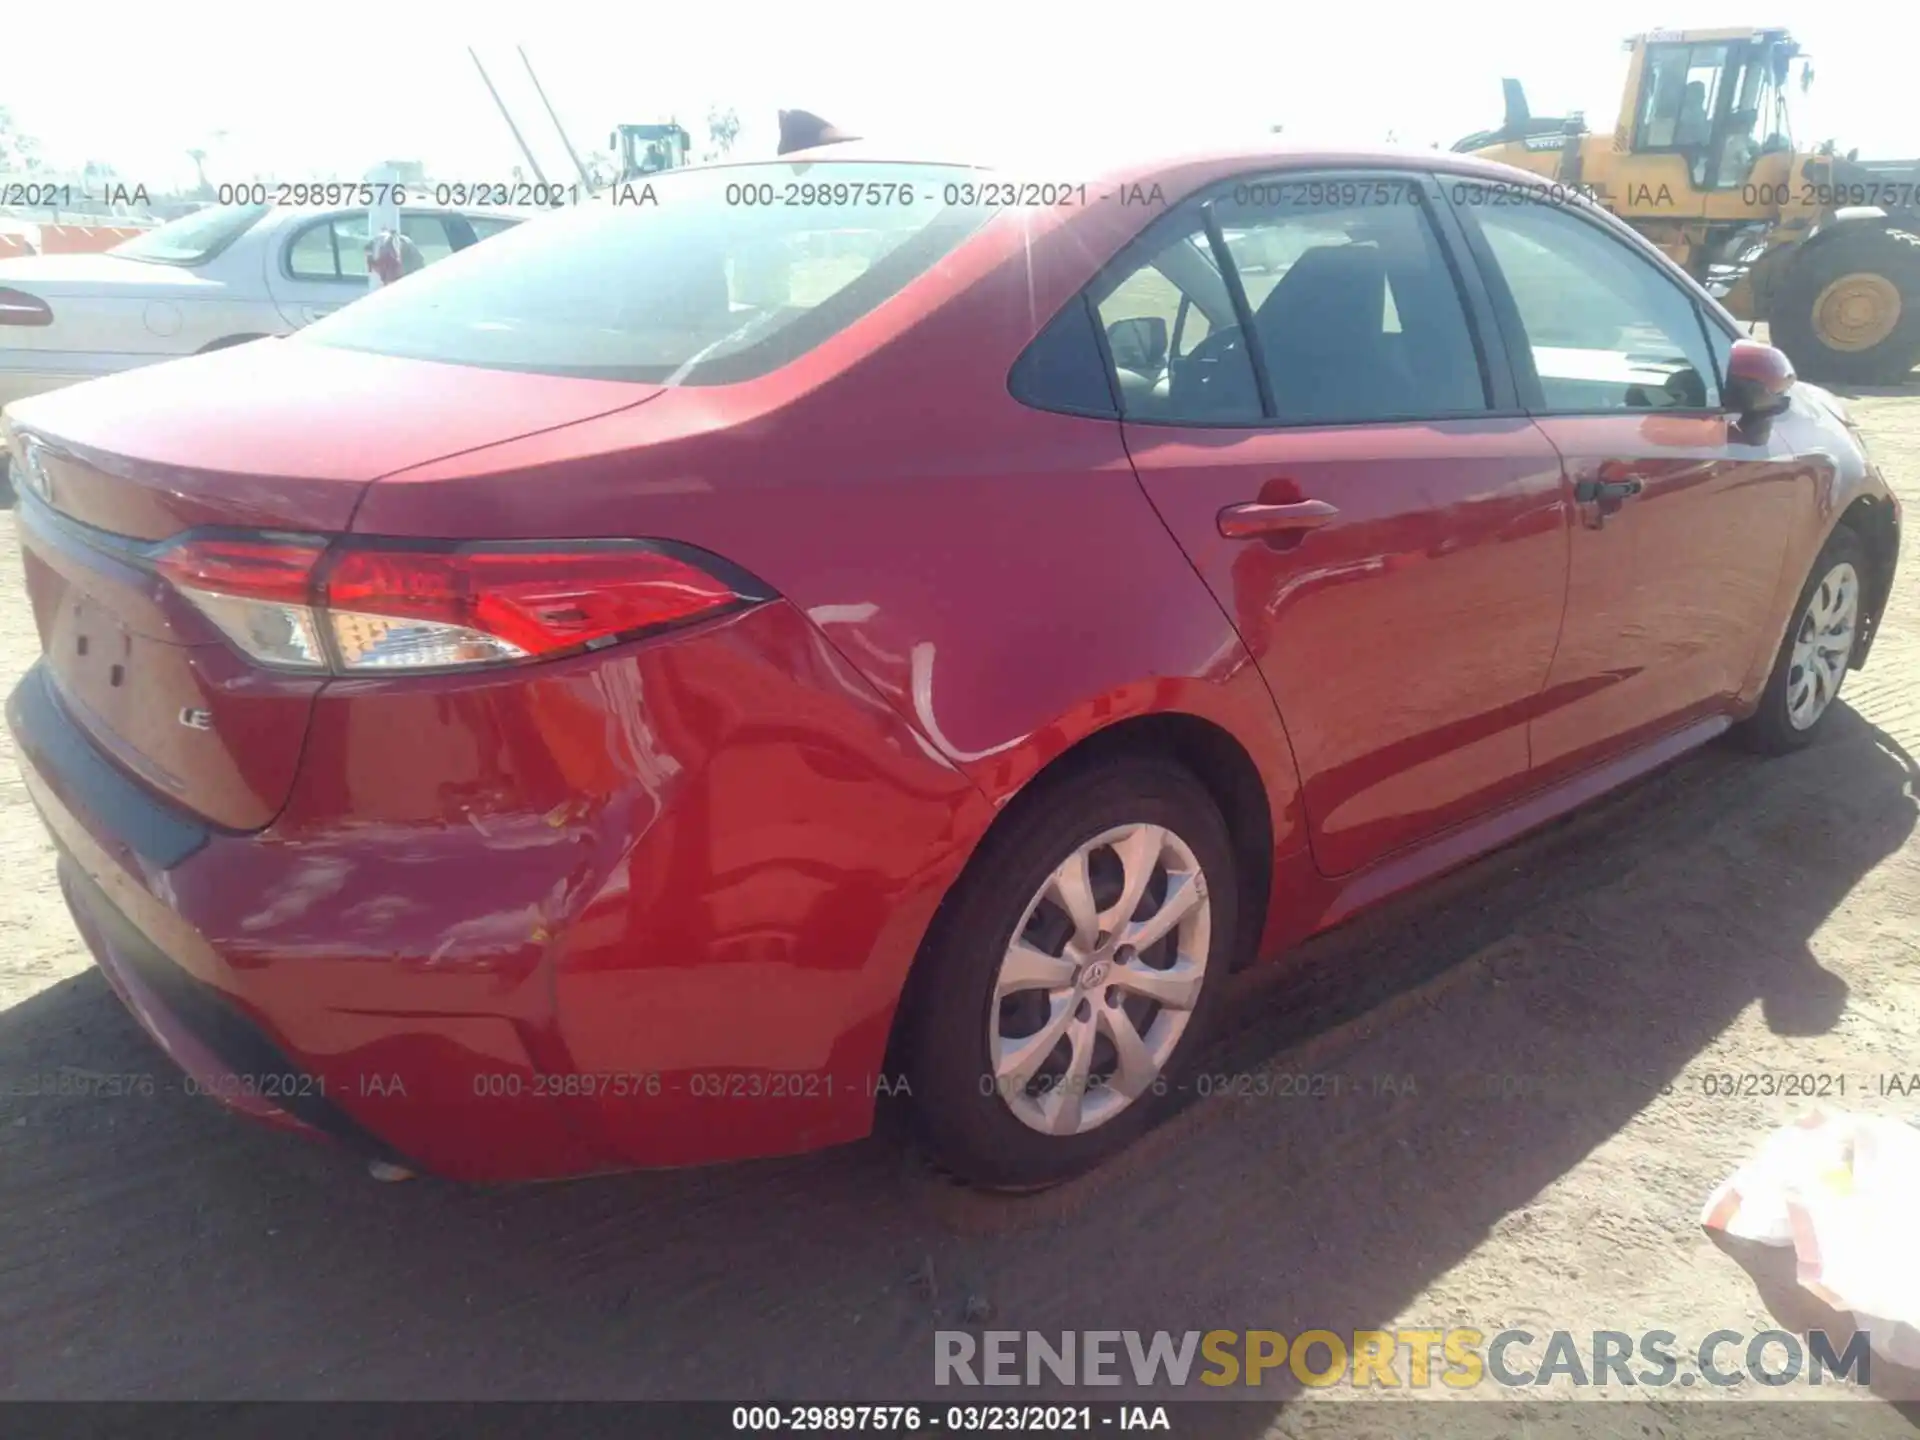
(227,1056)
(146,885)
(503,932)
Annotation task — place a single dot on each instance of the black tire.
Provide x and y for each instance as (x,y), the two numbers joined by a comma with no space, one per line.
(1890,251)
(974,1135)
(1770,730)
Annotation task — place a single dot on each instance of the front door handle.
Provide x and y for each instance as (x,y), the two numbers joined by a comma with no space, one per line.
(1245,522)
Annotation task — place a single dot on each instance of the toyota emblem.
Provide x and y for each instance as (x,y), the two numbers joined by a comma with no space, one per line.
(33,472)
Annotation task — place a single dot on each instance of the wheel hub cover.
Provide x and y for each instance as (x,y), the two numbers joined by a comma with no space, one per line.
(1857,311)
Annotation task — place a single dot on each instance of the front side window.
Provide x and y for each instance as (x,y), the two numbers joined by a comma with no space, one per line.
(1751,98)
(704,277)
(1680,93)
(1606,329)
(1355,309)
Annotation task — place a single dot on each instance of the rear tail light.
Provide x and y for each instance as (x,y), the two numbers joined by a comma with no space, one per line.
(257,591)
(17,307)
(293,603)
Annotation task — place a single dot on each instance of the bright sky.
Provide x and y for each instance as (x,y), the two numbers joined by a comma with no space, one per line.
(299,92)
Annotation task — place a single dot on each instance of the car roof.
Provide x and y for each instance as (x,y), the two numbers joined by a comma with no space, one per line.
(1073,160)
(290,214)
(1110,168)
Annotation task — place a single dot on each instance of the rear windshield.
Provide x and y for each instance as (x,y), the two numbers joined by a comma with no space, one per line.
(724,275)
(192,238)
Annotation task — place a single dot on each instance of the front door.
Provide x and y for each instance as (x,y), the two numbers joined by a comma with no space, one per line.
(1681,516)
(1318,437)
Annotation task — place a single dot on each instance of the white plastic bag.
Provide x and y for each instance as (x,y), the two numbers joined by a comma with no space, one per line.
(1842,1190)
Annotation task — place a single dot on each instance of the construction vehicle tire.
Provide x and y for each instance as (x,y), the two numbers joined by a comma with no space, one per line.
(1848,308)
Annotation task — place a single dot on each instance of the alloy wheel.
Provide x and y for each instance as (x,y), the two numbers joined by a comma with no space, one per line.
(1822,645)
(1100,980)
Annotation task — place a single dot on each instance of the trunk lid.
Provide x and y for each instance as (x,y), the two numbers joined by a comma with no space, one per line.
(269,436)
(88,273)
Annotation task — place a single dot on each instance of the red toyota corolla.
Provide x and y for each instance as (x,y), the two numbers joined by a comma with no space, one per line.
(643,688)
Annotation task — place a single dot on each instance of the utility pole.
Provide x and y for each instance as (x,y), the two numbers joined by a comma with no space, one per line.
(532,164)
(585,180)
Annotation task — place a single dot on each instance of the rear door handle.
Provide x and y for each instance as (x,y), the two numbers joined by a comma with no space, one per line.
(1587,492)
(1245,522)
(1605,487)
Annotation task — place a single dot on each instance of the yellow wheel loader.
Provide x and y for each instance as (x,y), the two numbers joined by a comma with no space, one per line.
(1823,247)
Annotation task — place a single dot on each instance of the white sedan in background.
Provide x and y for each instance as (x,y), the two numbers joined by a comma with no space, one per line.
(214,278)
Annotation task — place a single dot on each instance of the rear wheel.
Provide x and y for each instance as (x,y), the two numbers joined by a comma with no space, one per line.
(1816,650)
(1076,969)
(1849,308)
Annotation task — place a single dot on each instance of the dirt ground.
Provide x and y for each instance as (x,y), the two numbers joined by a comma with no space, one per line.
(1730,916)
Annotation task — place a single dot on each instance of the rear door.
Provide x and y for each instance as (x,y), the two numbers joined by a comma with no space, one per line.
(1682,515)
(318,265)
(435,233)
(1338,453)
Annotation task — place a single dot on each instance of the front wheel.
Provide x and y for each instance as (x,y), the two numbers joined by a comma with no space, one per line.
(1074,972)
(1816,651)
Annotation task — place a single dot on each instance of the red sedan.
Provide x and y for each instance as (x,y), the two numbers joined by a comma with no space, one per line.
(642,689)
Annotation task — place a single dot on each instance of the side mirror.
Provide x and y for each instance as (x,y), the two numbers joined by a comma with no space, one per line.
(1759,379)
(1140,344)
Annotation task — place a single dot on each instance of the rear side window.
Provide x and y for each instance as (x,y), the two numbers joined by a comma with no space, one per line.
(429,235)
(1605,328)
(331,249)
(1354,310)
(1357,314)
(487,225)
(192,238)
(1172,333)
(728,274)
(1062,369)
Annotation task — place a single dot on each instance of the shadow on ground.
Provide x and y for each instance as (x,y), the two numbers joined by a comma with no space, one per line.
(158,1248)
(1908,387)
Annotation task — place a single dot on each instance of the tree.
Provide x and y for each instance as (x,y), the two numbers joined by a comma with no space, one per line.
(723,128)
(203,190)
(602,168)
(18,150)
